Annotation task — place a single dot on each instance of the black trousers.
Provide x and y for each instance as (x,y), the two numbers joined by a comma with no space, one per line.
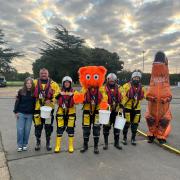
(65,122)
(132,119)
(90,120)
(40,123)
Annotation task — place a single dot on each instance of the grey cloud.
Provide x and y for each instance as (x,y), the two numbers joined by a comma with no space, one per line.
(103,19)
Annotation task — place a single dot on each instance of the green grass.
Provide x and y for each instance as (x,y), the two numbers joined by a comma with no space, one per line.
(20,83)
(15,83)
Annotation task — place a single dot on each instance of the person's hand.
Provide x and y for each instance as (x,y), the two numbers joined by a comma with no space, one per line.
(62,93)
(166,100)
(17,115)
(70,93)
(152,99)
(121,110)
(78,98)
(48,102)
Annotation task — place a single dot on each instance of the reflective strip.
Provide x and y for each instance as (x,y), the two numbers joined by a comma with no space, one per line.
(60,121)
(128,117)
(71,121)
(137,118)
(96,119)
(37,119)
(86,120)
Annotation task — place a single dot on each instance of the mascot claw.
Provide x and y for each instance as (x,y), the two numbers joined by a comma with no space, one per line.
(78,98)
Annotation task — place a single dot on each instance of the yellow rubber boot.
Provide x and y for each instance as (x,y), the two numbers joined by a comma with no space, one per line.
(58,144)
(71,144)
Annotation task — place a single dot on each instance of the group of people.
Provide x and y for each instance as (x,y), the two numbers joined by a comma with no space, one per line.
(95,95)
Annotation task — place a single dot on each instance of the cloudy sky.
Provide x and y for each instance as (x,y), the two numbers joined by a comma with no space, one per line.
(127,27)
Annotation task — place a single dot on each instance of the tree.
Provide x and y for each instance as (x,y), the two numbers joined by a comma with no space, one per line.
(65,54)
(102,57)
(6,55)
(62,56)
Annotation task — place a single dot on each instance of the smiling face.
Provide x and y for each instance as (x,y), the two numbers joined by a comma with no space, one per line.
(44,74)
(92,76)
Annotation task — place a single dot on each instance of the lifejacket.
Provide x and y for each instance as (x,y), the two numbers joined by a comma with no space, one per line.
(135,92)
(113,95)
(93,95)
(66,101)
(47,92)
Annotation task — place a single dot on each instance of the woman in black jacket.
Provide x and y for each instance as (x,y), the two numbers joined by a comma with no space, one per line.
(23,109)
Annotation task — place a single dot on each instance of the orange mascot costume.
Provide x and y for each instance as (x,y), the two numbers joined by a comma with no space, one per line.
(158,115)
(93,97)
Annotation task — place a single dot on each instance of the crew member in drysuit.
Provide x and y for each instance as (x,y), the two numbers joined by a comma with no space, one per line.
(66,114)
(45,91)
(133,94)
(93,98)
(158,115)
(114,100)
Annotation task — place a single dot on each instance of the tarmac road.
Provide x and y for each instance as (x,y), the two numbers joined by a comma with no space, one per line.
(146,161)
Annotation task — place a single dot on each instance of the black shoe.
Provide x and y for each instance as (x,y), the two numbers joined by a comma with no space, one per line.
(105,147)
(162,141)
(116,142)
(84,149)
(118,146)
(48,146)
(38,145)
(124,141)
(151,139)
(96,150)
(105,142)
(133,142)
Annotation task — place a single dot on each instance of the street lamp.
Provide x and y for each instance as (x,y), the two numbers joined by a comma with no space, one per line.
(143,59)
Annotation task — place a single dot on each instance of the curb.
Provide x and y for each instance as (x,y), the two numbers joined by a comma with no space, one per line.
(4,169)
(165,146)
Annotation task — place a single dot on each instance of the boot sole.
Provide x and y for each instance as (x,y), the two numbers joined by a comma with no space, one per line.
(119,148)
(37,149)
(57,151)
(83,151)
(96,152)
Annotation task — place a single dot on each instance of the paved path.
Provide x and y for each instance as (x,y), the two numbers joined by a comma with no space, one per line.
(4,171)
(146,161)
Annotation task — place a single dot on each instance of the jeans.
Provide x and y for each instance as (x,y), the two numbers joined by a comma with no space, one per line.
(24,123)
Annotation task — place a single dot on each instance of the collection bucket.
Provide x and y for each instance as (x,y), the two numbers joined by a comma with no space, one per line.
(46,112)
(120,122)
(104,116)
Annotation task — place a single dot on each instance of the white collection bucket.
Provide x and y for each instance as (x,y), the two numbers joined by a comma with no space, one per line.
(104,116)
(46,112)
(120,122)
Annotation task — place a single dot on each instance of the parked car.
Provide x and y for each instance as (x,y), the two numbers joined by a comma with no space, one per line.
(3,81)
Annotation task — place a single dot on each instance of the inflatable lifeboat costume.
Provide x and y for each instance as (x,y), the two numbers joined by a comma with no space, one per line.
(158,115)
(93,98)
(66,114)
(45,90)
(114,100)
(133,94)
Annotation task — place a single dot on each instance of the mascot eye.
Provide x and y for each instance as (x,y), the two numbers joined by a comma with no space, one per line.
(88,77)
(96,76)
